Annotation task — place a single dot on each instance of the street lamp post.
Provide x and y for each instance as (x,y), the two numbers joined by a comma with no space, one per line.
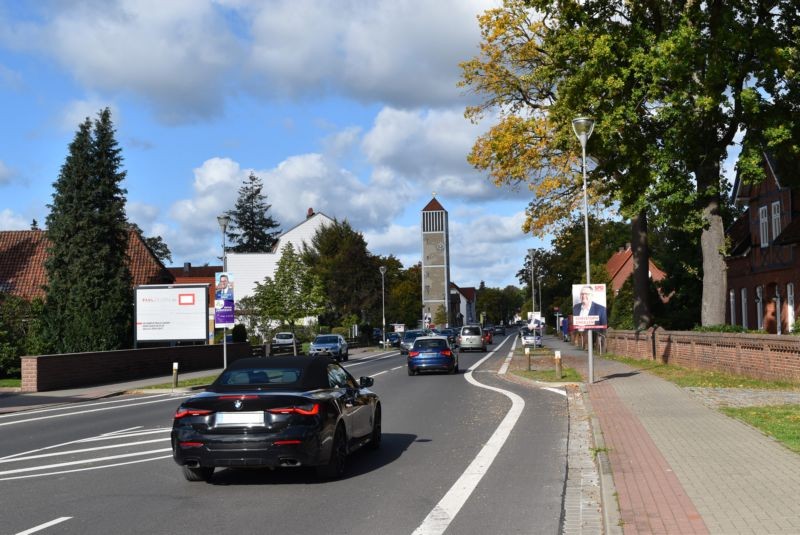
(223,221)
(583,126)
(533,286)
(383,303)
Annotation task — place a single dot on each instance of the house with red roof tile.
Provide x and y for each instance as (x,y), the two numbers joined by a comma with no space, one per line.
(23,253)
(620,269)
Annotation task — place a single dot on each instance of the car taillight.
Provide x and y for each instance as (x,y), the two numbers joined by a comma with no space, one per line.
(190,444)
(446,353)
(239,397)
(413,354)
(183,412)
(305,411)
(286,442)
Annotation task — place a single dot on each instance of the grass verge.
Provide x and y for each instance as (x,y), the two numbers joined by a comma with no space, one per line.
(10,383)
(549,376)
(186,383)
(781,422)
(701,378)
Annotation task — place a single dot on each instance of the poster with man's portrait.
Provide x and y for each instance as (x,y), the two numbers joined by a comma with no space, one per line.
(589,306)
(223,300)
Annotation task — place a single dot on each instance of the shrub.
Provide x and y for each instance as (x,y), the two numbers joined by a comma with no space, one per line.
(239,333)
(724,328)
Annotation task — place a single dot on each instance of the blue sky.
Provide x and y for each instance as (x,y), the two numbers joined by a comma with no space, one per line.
(347,107)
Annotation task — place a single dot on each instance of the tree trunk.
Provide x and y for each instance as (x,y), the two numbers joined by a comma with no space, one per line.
(642,314)
(715,279)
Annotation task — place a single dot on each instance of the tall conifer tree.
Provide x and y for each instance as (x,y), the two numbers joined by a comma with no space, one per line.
(88,303)
(251,229)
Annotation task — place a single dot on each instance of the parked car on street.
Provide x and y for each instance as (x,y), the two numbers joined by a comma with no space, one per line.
(393,339)
(471,337)
(277,412)
(330,344)
(432,353)
(408,340)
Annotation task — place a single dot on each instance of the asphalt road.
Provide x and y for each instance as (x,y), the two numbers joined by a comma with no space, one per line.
(457,457)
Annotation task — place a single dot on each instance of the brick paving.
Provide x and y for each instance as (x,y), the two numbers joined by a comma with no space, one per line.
(679,466)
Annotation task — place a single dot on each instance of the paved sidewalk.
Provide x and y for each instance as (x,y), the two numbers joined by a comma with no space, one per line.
(681,467)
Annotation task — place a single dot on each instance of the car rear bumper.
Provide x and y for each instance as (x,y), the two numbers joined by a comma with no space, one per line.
(432,363)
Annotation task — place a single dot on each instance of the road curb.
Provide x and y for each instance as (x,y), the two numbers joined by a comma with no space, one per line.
(608,491)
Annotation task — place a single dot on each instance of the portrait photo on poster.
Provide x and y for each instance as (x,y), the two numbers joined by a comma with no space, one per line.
(589,306)
(223,286)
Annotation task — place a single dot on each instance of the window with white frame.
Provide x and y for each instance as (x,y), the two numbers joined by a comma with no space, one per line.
(763,225)
(776,219)
(732,304)
(790,307)
(760,306)
(744,307)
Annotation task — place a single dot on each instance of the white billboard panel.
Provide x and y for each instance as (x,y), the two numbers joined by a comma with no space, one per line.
(174,312)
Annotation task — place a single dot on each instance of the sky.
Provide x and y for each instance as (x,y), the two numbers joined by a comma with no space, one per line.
(347,107)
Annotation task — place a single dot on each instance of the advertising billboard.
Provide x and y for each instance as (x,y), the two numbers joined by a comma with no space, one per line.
(171,312)
(589,306)
(223,300)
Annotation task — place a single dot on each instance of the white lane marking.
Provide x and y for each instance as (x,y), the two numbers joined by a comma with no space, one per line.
(106,436)
(71,405)
(83,450)
(40,527)
(504,367)
(85,461)
(367,361)
(556,390)
(448,507)
(81,412)
(29,476)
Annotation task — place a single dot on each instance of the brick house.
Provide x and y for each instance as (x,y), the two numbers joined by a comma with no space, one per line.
(620,269)
(23,253)
(763,263)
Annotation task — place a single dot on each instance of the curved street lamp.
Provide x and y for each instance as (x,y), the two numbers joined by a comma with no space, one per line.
(583,127)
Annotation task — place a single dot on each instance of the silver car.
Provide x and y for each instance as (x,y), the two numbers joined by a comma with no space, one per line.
(471,337)
(329,344)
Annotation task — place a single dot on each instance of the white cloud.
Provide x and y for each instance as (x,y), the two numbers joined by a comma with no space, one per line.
(11,221)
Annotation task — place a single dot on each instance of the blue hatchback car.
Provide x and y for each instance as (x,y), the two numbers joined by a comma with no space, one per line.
(432,353)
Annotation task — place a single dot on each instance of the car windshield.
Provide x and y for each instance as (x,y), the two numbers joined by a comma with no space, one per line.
(411,335)
(284,336)
(471,330)
(260,376)
(430,344)
(326,340)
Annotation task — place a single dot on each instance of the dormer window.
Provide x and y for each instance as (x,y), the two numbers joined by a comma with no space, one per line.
(776,219)
(763,225)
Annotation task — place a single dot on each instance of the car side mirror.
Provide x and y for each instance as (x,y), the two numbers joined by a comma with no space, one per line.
(366,382)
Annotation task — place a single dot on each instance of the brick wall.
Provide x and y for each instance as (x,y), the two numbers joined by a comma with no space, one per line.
(75,370)
(760,356)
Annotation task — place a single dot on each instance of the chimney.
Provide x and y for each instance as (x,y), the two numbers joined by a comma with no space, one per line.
(310,213)
(187,267)
(627,246)
(620,249)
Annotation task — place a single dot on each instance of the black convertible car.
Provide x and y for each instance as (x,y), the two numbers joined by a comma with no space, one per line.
(277,412)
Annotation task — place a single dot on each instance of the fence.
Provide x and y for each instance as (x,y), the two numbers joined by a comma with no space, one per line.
(760,356)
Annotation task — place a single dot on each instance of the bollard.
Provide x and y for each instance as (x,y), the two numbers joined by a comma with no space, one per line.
(528,354)
(559,373)
(174,375)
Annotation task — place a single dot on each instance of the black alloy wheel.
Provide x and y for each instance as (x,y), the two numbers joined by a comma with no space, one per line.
(336,464)
(375,439)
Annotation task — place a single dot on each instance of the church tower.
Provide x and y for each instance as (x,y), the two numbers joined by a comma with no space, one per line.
(435,262)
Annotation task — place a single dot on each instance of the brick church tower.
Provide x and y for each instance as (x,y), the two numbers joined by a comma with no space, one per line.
(435,261)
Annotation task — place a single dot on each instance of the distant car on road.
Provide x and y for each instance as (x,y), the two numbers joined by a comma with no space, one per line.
(408,340)
(471,337)
(530,338)
(432,353)
(277,412)
(393,339)
(450,333)
(330,344)
(500,329)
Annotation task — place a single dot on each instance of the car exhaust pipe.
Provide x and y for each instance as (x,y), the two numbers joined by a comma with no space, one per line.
(289,462)
(193,464)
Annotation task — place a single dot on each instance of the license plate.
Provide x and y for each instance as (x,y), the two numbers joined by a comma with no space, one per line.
(240,418)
